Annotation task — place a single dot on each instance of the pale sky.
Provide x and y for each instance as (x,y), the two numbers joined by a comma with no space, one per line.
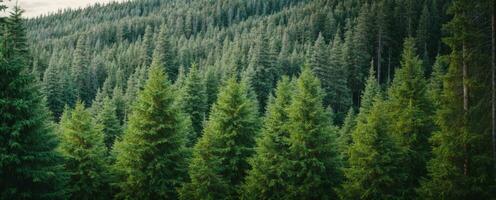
(33,8)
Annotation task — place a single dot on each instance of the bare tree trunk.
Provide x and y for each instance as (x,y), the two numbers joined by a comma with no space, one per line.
(493,88)
(389,67)
(379,49)
(465,100)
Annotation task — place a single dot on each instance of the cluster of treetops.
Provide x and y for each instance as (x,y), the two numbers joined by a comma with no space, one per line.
(260,99)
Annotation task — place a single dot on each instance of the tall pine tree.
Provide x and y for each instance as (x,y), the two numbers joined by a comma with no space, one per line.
(151,158)
(219,162)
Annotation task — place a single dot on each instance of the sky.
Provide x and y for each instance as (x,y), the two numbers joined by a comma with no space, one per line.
(33,8)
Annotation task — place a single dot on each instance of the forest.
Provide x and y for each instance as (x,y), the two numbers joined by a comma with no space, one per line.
(250,99)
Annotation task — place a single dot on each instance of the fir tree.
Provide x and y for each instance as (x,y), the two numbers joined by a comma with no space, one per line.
(30,168)
(194,100)
(373,171)
(338,92)
(84,151)
(319,63)
(80,71)
(107,118)
(264,69)
(411,110)
(163,54)
(219,162)
(345,140)
(266,179)
(312,162)
(151,158)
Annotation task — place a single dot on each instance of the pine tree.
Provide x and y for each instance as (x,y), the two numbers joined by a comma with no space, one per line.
(462,164)
(193,100)
(338,92)
(163,54)
(147,46)
(107,118)
(312,162)
(266,179)
(264,69)
(373,171)
(51,88)
(151,158)
(435,85)
(219,162)
(412,111)
(84,151)
(345,139)
(80,71)
(319,63)
(30,167)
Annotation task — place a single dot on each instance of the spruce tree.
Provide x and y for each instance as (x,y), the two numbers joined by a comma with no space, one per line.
(462,163)
(412,111)
(163,54)
(262,63)
(338,92)
(312,162)
(151,158)
(82,145)
(107,119)
(345,139)
(319,63)
(193,100)
(30,168)
(219,162)
(373,171)
(80,71)
(51,88)
(266,179)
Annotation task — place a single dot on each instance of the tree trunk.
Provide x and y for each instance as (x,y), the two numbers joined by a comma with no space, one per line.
(389,67)
(465,101)
(493,88)
(379,49)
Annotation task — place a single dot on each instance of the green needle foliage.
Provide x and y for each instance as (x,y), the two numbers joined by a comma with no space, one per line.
(312,161)
(30,168)
(220,158)
(266,179)
(151,158)
(82,145)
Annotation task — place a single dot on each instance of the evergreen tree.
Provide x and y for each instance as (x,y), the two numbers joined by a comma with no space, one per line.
(262,63)
(30,168)
(435,85)
(345,140)
(80,71)
(338,92)
(411,110)
(51,88)
(266,179)
(194,100)
(312,162)
(163,54)
(219,162)
(84,151)
(373,170)
(151,158)
(319,63)
(107,118)
(462,164)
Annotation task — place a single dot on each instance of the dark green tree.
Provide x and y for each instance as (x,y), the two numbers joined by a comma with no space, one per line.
(30,168)
(163,54)
(312,162)
(219,162)
(345,140)
(193,100)
(151,158)
(81,72)
(266,179)
(411,109)
(107,119)
(82,145)
(373,171)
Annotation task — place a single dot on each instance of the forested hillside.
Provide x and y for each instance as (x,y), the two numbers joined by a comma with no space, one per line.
(250,99)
